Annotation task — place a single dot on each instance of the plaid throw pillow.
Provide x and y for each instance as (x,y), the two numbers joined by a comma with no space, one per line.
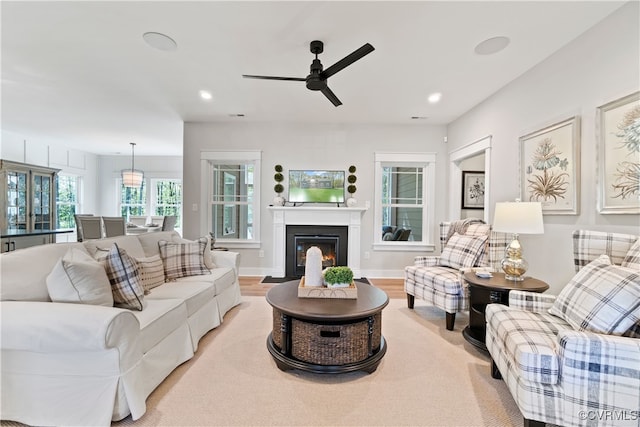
(632,258)
(151,272)
(125,279)
(462,251)
(183,259)
(601,298)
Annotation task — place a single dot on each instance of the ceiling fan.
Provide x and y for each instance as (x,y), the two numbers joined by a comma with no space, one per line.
(317,79)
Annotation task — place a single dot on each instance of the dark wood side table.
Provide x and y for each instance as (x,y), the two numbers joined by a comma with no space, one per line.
(487,291)
(326,335)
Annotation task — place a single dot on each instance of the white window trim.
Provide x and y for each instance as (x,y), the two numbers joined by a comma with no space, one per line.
(428,162)
(230,157)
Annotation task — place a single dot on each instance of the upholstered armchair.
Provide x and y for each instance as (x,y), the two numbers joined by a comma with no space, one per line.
(438,279)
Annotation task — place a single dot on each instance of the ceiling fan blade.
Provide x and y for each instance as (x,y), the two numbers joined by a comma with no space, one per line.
(295,79)
(347,60)
(331,96)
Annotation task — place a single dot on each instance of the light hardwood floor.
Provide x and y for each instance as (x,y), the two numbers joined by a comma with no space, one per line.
(251,286)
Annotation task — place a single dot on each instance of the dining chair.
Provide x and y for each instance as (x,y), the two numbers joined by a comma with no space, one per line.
(169,222)
(88,227)
(113,226)
(157,219)
(139,220)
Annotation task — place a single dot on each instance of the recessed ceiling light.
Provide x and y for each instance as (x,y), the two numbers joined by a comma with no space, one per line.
(492,45)
(206,95)
(434,97)
(160,41)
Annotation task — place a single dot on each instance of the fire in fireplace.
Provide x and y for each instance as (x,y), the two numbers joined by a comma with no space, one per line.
(331,240)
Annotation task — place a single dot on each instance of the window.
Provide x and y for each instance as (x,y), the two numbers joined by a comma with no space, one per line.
(404,194)
(233,211)
(67,200)
(156,197)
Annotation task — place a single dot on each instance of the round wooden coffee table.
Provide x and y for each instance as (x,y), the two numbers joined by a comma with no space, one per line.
(327,335)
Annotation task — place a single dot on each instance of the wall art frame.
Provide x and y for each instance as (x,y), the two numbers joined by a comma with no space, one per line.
(473,189)
(550,167)
(618,137)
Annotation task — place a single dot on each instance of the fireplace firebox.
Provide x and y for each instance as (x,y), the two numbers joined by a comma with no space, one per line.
(331,240)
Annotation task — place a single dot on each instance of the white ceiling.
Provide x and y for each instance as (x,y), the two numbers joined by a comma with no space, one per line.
(79,73)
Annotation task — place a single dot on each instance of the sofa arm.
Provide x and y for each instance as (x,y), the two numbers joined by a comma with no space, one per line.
(426,261)
(49,327)
(531,301)
(227,259)
(599,372)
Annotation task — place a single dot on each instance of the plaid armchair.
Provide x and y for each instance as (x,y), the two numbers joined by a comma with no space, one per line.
(574,359)
(438,279)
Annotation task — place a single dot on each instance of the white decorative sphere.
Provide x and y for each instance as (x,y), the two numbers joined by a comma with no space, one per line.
(313,267)
(278,201)
(351,202)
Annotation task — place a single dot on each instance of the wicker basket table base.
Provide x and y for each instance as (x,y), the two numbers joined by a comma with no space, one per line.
(327,335)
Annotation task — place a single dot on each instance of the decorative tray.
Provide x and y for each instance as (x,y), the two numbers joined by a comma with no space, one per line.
(350,292)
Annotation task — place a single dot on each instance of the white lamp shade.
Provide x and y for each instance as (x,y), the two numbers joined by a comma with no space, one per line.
(518,218)
(132,178)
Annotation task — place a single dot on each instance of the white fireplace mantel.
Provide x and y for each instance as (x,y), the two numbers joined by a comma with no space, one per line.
(312,215)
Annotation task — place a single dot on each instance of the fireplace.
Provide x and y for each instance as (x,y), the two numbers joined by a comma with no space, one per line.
(331,240)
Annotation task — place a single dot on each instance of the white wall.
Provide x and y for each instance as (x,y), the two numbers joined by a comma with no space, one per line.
(302,146)
(600,66)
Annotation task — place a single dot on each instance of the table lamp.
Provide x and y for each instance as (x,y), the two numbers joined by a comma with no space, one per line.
(517,218)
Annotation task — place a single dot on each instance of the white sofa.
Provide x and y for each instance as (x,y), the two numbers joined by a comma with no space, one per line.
(79,364)
(574,359)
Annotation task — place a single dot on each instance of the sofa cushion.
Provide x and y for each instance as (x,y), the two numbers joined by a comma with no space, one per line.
(98,248)
(125,279)
(151,272)
(527,341)
(149,241)
(462,251)
(23,273)
(78,278)
(632,258)
(183,259)
(441,279)
(601,298)
(195,294)
(222,278)
(159,319)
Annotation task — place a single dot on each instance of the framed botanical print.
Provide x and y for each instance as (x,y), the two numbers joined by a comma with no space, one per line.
(618,132)
(550,167)
(472,190)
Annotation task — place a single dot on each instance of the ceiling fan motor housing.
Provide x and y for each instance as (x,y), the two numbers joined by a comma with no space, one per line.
(314,82)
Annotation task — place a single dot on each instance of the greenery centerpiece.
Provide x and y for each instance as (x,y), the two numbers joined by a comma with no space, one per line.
(338,277)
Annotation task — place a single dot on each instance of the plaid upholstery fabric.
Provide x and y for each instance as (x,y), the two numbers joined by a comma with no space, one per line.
(442,279)
(426,261)
(601,298)
(462,251)
(183,259)
(125,279)
(529,342)
(632,258)
(600,371)
(531,301)
(451,303)
(151,272)
(589,245)
(633,332)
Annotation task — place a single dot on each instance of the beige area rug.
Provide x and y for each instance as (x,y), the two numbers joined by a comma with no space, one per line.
(429,377)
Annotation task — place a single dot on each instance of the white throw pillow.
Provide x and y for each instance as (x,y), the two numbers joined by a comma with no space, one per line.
(462,251)
(601,297)
(78,278)
(151,272)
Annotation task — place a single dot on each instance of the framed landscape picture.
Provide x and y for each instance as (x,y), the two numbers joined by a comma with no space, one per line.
(472,190)
(550,167)
(618,132)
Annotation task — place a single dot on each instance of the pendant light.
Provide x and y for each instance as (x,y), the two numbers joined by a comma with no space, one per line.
(132,177)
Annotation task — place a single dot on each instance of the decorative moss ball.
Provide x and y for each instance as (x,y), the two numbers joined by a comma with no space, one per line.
(351,189)
(278,168)
(278,188)
(352,179)
(278,177)
(352,169)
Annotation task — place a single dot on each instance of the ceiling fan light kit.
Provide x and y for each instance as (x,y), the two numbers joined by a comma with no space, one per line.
(317,78)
